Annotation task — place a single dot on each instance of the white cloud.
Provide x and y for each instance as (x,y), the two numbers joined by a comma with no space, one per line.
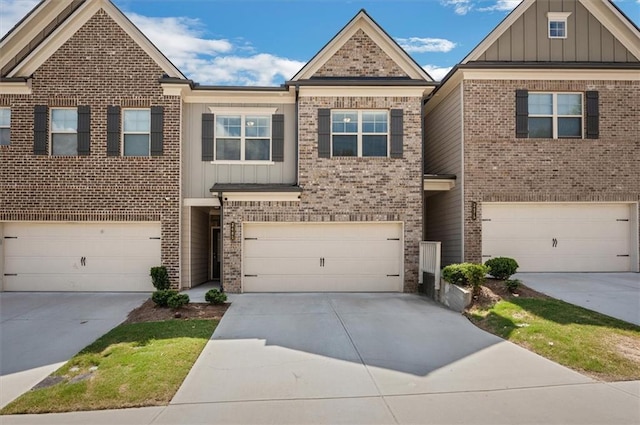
(422,45)
(461,7)
(437,72)
(213,61)
(502,6)
(11,11)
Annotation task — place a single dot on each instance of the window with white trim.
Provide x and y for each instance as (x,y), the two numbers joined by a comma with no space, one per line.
(240,137)
(5,126)
(557,24)
(359,133)
(136,132)
(555,115)
(64,131)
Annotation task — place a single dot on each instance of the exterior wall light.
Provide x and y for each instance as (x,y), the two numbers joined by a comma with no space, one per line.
(474,210)
(232,231)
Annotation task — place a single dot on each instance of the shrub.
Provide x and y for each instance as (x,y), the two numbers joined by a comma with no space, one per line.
(468,274)
(160,277)
(213,296)
(502,267)
(177,300)
(512,284)
(161,297)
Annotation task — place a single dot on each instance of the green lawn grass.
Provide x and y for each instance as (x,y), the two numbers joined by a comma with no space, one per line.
(133,365)
(583,340)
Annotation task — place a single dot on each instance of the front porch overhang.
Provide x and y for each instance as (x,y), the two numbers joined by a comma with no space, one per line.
(256,192)
(439,182)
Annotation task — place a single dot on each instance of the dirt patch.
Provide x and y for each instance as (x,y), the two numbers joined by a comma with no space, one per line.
(494,290)
(626,346)
(150,312)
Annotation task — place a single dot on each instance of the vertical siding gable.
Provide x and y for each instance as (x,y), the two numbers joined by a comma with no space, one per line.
(527,39)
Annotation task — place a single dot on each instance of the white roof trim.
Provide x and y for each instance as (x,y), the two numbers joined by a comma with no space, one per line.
(74,22)
(261,196)
(389,46)
(201,202)
(15,87)
(626,33)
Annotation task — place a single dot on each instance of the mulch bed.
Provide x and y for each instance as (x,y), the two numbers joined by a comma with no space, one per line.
(494,290)
(149,312)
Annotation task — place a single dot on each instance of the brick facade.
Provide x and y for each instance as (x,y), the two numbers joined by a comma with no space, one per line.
(360,56)
(344,189)
(99,65)
(498,167)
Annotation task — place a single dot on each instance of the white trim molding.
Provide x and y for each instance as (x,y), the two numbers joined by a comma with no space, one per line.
(201,202)
(15,87)
(261,196)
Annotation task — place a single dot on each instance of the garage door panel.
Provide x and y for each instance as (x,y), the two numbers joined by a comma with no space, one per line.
(322,257)
(560,237)
(293,283)
(47,256)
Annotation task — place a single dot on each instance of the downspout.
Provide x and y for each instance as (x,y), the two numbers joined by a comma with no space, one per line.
(297,135)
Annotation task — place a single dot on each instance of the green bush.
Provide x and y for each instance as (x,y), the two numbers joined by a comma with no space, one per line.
(502,267)
(214,296)
(161,297)
(160,277)
(512,284)
(467,274)
(177,300)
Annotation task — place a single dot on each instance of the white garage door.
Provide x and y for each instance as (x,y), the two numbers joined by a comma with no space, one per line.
(322,257)
(561,237)
(80,256)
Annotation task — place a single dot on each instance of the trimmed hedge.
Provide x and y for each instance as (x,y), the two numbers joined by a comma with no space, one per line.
(214,296)
(465,274)
(502,267)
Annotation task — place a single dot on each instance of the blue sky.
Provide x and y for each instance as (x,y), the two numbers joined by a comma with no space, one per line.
(264,42)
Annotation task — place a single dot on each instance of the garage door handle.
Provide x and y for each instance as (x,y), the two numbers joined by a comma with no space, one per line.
(83,261)
(622,255)
(11,274)
(554,242)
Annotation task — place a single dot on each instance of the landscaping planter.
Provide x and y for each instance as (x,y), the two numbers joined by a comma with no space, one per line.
(453,296)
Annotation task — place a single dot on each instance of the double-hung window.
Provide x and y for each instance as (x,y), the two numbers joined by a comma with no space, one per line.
(5,126)
(359,133)
(136,132)
(242,137)
(64,131)
(555,115)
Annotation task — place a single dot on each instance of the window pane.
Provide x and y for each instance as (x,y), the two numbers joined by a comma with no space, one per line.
(557,28)
(138,121)
(569,127)
(374,145)
(5,117)
(374,122)
(344,122)
(5,136)
(540,104)
(569,104)
(228,125)
(540,128)
(256,126)
(228,149)
(64,145)
(64,120)
(345,145)
(257,150)
(136,145)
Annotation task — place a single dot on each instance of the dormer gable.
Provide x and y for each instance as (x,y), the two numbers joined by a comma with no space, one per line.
(362,50)
(581,31)
(52,23)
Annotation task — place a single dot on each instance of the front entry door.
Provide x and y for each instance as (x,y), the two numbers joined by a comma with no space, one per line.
(215,254)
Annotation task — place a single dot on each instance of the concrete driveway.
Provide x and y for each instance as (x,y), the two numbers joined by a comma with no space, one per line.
(40,331)
(614,294)
(379,358)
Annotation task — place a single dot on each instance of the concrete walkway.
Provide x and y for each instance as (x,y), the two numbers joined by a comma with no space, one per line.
(369,359)
(614,294)
(40,331)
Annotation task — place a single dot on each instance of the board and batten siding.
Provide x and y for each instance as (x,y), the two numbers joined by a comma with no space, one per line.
(587,39)
(443,155)
(200,175)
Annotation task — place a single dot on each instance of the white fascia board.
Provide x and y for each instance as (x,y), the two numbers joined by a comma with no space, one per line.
(201,202)
(238,96)
(73,23)
(439,185)
(261,196)
(15,87)
(365,91)
(443,92)
(28,29)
